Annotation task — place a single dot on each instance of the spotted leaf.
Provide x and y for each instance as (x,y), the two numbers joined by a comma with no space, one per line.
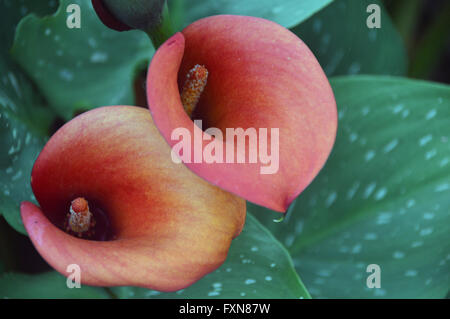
(340,39)
(288,13)
(383,197)
(79,69)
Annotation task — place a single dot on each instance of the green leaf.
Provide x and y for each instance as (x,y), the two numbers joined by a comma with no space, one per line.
(257,266)
(340,39)
(79,69)
(24,121)
(382,198)
(11,13)
(288,13)
(24,124)
(46,285)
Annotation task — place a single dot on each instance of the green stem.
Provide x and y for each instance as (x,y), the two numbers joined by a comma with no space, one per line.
(164,31)
(111,294)
(405,16)
(431,45)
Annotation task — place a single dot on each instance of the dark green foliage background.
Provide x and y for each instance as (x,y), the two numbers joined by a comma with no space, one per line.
(383,197)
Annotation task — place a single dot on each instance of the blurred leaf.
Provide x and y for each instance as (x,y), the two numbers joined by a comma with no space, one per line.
(257,266)
(340,39)
(288,13)
(5,250)
(405,15)
(7,260)
(46,285)
(17,252)
(79,69)
(383,197)
(432,45)
(11,13)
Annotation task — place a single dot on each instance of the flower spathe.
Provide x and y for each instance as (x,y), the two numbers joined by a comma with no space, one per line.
(170,228)
(260,75)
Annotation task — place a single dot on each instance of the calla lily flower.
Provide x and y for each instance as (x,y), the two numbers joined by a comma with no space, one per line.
(250,73)
(112,202)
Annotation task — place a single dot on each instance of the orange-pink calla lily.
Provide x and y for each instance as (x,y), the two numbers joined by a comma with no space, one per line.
(157,225)
(259,75)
